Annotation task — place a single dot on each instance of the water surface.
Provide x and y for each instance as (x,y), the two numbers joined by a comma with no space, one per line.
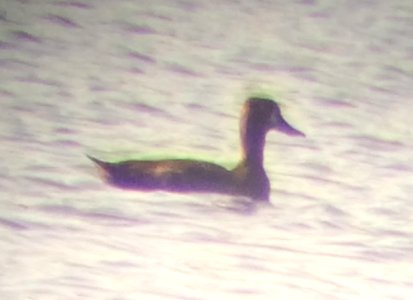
(128,79)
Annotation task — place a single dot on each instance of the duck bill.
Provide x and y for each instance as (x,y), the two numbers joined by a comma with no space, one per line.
(284,127)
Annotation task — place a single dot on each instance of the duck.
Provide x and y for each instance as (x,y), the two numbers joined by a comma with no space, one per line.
(248,178)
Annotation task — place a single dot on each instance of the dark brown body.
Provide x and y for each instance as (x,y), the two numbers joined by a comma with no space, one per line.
(186,176)
(248,178)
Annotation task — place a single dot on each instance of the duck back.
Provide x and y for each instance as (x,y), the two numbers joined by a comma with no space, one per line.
(177,175)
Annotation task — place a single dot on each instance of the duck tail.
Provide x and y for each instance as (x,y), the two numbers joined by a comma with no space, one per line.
(104,167)
(100,163)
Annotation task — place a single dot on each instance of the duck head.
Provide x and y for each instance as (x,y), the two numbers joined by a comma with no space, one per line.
(261,115)
(258,117)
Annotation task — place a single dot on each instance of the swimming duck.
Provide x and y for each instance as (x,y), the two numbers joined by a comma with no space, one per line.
(248,178)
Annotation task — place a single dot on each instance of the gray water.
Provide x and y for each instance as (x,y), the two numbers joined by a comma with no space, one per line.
(122,79)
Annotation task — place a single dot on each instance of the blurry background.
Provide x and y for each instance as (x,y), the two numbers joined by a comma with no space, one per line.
(121,79)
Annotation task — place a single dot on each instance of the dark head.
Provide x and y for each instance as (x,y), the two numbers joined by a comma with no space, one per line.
(265,114)
(258,117)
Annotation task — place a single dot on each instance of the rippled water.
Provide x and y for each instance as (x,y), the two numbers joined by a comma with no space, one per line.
(121,79)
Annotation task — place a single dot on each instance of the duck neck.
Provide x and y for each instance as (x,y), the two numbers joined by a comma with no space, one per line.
(252,143)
